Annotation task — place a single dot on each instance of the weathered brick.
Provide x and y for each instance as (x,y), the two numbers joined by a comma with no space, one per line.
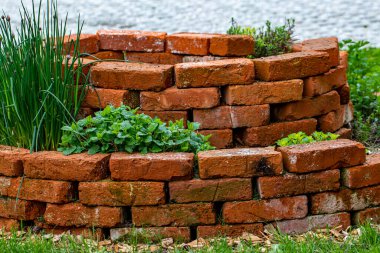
(11,161)
(308,107)
(9,185)
(265,210)
(153,166)
(88,43)
(363,175)
(328,45)
(78,215)
(154,234)
(333,120)
(174,215)
(107,55)
(130,40)
(229,230)
(121,193)
(21,209)
(100,98)
(344,133)
(300,226)
(188,43)
(345,200)
(344,93)
(180,99)
(198,190)
(267,135)
(368,215)
(154,58)
(220,138)
(232,45)
(322,155)
(56,166)
(214,73)
(8,225)
(243,162)
(264,93)
(167,116)
(194,58)
(321,84)
(84,112)
(291,66)
(133,76)
(343,59)
(292,184)
(232,116)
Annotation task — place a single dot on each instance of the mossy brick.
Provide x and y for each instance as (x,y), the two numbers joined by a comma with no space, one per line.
(322,155)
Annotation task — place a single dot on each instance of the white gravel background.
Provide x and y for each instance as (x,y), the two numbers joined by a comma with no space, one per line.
(356,19)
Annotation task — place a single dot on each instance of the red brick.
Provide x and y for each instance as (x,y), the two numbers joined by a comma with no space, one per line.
(107,55)
(155,167)
(131,40)
(198,190)
(121,193)
(232,116)
(78,215)
(96,234)
(11,161)
(229,230)
(133,76)
(344,133)
(154,58)
(291,66)
(100,98)
(88,43)
(220,138)
(167,116)
(152,234)
(194,58)
(214,73)
(363,175)
(345,200)
(292,184)
(265,210)
(56,166)
(174,215)
(337,220)
(264,93)
(308,107)
(232,45)
(9,225)
(371,214)
(179,99)
(344,93)
(188,43)
(268,135)
(21,209)
(321,84)
(328,45)
(343,59)
(84,112)
(9,185)
(243,162)
(322,155)
(333,120)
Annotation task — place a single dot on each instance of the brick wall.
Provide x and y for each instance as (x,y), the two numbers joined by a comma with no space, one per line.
(297,189)
(207,78)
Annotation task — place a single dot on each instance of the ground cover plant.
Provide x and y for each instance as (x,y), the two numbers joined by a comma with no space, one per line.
(39,85)
(269,39)
(302,138)
(364,79)
(123,129)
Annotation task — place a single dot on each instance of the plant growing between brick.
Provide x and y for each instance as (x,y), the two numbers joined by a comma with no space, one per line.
(302,138)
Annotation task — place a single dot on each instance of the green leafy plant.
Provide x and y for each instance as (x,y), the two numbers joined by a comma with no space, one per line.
(122,129)
(363,76)
(40,87)
(269,40)
(302,138)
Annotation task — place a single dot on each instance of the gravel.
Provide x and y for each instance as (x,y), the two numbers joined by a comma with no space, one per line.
(356,19)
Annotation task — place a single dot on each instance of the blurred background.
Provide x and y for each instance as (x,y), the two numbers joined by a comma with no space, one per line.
(355,19)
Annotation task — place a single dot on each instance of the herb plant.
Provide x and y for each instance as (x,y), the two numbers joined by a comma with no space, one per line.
(302,138)
(269,40)
(122,129)
(39,85)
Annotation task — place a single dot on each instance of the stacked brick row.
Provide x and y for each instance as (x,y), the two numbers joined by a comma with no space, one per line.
(208,79)
(228,191)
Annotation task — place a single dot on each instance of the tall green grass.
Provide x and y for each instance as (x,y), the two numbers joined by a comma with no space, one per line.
(40,87)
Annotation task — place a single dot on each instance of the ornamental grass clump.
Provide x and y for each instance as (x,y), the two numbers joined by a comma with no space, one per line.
(123,129)
(40,87)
